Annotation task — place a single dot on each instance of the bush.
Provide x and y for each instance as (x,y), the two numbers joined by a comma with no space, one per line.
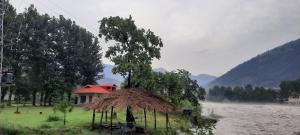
(204,126)
(7,130)
(53,118)
(45,126)
(2,105)
(186,104)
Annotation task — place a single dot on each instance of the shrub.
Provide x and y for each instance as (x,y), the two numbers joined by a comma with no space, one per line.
(45,126)
(53,118)
(7,130)
(204,126)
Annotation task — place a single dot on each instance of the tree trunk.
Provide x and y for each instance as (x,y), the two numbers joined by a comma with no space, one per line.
(111,117)
(45,99)
(49,101)
(105,116)
(34,98)
(129,79)
(3,93)
(64,118)
(9,96)
(145,117)
(93,119)
(69,96)
(154,118)
(42,99)
(167,121)
(101,118)
(18,102)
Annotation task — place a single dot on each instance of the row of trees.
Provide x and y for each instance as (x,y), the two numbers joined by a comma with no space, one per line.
(175,86)
(49,56)
(289,88)
(245,94)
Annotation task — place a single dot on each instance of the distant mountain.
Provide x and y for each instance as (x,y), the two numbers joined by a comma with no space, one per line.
(162,70)
(203,79)
(267,69)
(109,77)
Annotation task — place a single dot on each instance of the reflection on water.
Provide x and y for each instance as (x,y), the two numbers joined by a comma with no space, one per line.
(254,119)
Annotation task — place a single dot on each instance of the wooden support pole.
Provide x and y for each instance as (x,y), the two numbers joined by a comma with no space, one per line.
(167,121)
(111,116)
(93,119)
(101,118)
(145,117)
(105,116)
(154,118)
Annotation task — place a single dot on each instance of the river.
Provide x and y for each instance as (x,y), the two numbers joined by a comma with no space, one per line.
(254,119)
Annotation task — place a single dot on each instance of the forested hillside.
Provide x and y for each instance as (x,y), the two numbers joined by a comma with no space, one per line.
(267,69)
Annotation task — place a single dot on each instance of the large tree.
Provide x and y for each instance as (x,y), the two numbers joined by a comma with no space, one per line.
(34,38)
(192,91)
(134,48)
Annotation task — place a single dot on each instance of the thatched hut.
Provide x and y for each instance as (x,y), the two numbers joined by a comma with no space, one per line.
(135,98)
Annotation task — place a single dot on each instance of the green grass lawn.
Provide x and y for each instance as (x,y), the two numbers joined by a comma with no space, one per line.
(79,118)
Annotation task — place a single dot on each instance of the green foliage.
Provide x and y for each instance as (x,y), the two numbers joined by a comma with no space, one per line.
(9,131)
(175,86)
(64,107)
(247,94)
(186,104)
(289,88)
(53,118)
(43,129)
(54,88)
(48,55)
(44,126)
(204,126)
(192,91)
(134,50)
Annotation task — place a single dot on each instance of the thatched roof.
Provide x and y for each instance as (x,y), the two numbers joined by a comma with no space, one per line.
(135,98)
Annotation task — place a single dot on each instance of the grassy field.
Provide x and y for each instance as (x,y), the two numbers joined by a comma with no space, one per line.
(79,118)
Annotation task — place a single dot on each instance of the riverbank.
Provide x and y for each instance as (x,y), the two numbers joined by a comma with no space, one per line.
(258,119)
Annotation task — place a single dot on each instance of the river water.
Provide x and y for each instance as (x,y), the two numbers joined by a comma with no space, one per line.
(254,119)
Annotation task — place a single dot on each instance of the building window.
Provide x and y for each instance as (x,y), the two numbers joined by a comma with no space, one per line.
(82,99)
(90,98)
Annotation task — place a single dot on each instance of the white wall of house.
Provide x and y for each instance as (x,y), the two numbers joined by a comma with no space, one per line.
(6,97)
(85,98)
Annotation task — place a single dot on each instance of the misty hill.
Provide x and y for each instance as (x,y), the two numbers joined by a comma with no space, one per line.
(109,77)
(162,70)
(267,69)
(203,79)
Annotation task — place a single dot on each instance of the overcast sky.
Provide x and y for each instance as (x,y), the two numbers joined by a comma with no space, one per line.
(202,36)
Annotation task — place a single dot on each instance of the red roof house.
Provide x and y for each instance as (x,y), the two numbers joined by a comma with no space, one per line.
(91,92)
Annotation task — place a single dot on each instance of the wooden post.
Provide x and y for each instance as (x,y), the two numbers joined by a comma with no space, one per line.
(111,116)
(167,121)
(101,118)
(93,119)
(154,118)
(105,116)
(145,116)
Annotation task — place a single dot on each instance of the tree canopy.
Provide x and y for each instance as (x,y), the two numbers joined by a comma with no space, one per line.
(134,48)
(46,52)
